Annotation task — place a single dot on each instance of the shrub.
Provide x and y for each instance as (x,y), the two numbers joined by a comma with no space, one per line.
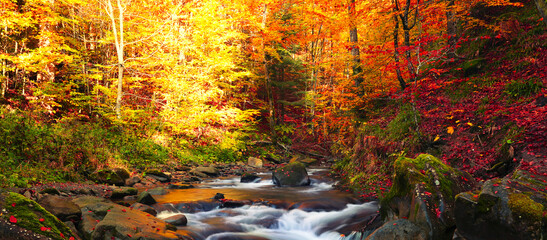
(519,89)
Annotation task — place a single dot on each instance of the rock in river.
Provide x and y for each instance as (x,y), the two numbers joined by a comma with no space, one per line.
(292,175)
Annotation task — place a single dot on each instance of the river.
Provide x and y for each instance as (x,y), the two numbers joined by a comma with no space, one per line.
(260,210)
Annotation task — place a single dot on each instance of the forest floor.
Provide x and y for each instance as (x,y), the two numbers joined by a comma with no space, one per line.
(483,112)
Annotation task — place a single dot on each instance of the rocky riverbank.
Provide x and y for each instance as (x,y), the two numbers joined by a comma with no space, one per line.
(118,204)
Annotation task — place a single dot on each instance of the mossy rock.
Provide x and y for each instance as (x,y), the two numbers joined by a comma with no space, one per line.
(423,192)
(511,208)
(29,215)
(291,175)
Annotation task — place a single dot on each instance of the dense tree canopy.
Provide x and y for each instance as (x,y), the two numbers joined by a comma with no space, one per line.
(185,74)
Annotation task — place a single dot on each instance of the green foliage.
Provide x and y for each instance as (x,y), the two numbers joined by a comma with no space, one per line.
(142,153)
(404,124)
(519,89)
(31,151)
(204,154)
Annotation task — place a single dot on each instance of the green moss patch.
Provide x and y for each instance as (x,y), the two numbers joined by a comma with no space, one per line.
(424,169)
(523,206)
(30,215)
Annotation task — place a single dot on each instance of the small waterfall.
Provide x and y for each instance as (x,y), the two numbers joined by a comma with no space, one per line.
(264,222)
(315,212)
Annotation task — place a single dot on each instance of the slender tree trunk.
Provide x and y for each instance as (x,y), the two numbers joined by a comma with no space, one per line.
(405,21)
(408,55)
(119,43)
(396,53)
(451,29)
(542,8)
(268,81)
(354,39)
(4,79)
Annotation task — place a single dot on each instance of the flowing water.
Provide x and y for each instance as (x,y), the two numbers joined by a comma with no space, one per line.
(261,210)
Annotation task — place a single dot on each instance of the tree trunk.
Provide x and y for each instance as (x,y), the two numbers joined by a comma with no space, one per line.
(542,8)
(405,21)
(353,38)
(451,29)
(4,79)
(268,84)
(396,53)
(119,43)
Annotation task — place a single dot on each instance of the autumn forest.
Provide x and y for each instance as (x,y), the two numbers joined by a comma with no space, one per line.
(88,85)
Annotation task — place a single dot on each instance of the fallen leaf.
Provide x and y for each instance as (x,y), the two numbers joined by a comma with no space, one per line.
(450,130)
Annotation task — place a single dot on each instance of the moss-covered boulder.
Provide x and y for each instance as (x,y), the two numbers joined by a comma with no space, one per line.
(511,208)
(423,192)
(291,175)
(29,215)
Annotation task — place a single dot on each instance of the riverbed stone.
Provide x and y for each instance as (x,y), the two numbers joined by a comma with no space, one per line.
(255,162)
(132,181)
(145,208)
(399,229)
(208,171)
(423,192)
(121,192)
(146,198)
(158,175)
(291,175)
(157,191)
(180,186)
(177,220)
(61,207)
(249,178)
(103,219)
(509,208)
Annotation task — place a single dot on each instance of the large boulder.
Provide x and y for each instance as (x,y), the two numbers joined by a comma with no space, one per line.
(511,208)
(249,178)
(177,220)
(158,175)
(207,170)
(103,219)
(61,207)
(423,192)
(121,192)
(116,176)
(255,162)
(401,229)
(146,198)
(25,216)
(291,175)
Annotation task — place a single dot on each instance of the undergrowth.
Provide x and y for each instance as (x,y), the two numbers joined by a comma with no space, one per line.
(33,152)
